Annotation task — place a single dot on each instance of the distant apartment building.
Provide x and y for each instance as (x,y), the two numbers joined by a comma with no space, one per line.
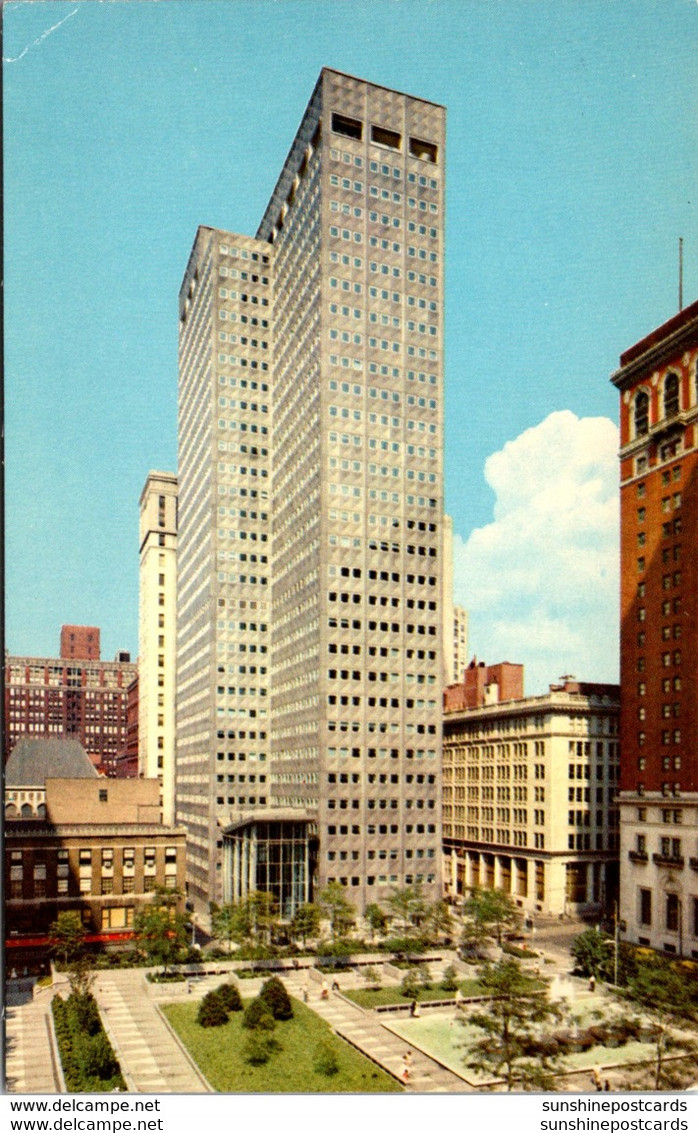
(460,641)
(157,633)
(75,840)
(657,383)
(83,698)
(528,791)
(309,656)
(454,618)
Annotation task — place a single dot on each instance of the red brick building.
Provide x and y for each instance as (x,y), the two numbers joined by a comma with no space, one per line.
(485,684)
(81,642)
(75,697)
(659,636)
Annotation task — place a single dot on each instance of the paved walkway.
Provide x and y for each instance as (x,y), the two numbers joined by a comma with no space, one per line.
(29,1058)
(151,1058)
(363,1030)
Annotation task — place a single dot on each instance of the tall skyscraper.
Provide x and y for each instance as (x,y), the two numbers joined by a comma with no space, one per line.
(337,306)
(659,636)
(157,635)
(223,584)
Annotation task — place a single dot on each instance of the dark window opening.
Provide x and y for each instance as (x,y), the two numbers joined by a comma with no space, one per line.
(427,151)
(385,137)
(671,395)
(642,410)
(349,127)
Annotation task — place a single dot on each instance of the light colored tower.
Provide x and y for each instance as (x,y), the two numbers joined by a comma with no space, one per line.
(156,635)
(356,221)
(347,271)
(223,570)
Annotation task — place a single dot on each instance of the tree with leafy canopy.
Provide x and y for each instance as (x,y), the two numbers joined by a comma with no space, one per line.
(376,920)
(409,907)
(162,932)
(518,1004)
(491,911)
(305,922)
(250,920)
(224,923)
(592,953)
(67,936)
(660,990)
(337,908)
(439,919)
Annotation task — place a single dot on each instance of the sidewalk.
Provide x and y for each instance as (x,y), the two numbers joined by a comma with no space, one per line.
(29,1059)
(364,1031)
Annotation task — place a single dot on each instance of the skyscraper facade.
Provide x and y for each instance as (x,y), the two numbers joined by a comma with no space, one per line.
(223,585)
(351,246)
(659,636)
(157,616)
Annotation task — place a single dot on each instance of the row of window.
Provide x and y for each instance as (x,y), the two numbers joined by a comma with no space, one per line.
(673,911)
(385,170)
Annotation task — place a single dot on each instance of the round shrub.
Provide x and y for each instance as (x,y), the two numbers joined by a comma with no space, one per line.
(258,1016)
(325,1061)
(277,999)
(229,996)
(410,986)
(211,1012)
(448,979)
(256,1050)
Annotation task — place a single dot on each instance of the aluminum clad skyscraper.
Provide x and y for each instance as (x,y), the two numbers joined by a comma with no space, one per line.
(354,237)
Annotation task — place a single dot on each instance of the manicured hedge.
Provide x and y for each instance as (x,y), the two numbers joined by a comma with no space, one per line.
(88,1060)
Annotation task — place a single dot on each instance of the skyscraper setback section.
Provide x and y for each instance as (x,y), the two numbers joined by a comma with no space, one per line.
(338,358)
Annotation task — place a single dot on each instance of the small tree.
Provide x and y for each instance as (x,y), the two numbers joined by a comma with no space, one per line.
(67,936)
(230,997)
(659,989)
(81,976)
(439,919)
(257,1049)
(258,1016)
(325,1060)
(337,908)
(591,953)
(212,1011)
(161,931)
(372,976)
(225,923)
(409,907)
(277,999)
(410,986)
(376,920)
(305,922)
(449,980)
(518,1004)
(491,911)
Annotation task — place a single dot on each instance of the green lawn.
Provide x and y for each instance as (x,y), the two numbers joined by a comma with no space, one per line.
(385,996)
(218,1053)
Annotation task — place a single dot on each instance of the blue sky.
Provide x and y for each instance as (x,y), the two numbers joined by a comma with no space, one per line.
(571,175)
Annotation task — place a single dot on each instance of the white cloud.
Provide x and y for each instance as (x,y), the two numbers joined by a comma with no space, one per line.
(541,580)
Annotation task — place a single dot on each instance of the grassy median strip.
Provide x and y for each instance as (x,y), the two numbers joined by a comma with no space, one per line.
(306,1050)
(388,996)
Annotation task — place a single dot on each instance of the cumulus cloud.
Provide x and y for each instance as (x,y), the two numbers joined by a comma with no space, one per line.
(541,580)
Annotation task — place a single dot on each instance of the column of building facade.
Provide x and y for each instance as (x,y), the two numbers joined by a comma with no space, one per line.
(355,700)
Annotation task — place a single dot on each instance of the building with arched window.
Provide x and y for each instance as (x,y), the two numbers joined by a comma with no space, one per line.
(659,637)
